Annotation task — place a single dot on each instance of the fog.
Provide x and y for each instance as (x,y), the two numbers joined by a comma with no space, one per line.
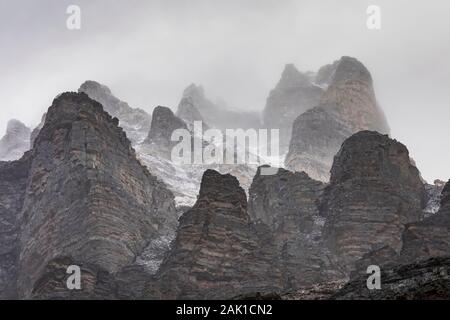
(147,52)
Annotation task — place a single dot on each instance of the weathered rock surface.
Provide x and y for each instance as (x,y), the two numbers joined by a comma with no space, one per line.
(88,202)
(13,181)
(348,106)
(218,251)
(136,122)
(423,280)
(434,197)
(164,123)
(287,203)
(431,236)
(15,142)
(294,94)
(36,130)
(374,193)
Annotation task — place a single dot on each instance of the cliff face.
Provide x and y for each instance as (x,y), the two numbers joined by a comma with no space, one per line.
(164,123)
(347,106)
(288,204)
(15,142)
(374,192)
(424,280)
(218,251)
(136,122)
(293,95)
(13,181)
(431,236)
(88,201)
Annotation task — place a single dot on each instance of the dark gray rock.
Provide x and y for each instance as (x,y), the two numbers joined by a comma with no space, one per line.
(164,123)
(13,181)
(431,236)
(287,203)
(36,130)
(374,193)
(88,202)
(218,251)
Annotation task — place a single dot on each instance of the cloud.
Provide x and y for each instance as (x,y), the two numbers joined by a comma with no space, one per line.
(149,51)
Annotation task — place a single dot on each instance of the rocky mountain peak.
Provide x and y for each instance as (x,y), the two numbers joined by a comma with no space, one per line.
(445,196)
(15,142)
(347,106)
(195,92)
(292,78)
(107,209)
(188,111)
(293,95)
(220,189)
(370,169)
(136,122)
(164,123)
(350,69)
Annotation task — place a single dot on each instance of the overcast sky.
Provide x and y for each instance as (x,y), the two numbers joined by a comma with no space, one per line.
(148,51)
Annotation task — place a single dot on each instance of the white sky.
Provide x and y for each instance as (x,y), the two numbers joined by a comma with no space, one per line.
(148,51)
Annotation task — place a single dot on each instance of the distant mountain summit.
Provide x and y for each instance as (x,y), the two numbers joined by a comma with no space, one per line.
(15,142)
(195,105)
(136,122)
(347,106)
(294,94)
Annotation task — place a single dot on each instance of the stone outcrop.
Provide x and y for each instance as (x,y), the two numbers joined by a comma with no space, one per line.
(88,202)
(347,106)
(15,142)
(164,123)
(136,122)
(218,251)
(374,193)
(424,280)
(433,197)
(287,203)
(13,181)
(36,130)
(431,236)
(189,113)
(294,94)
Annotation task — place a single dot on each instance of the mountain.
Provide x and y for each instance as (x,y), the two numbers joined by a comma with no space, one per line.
(15,142)
(36,130)
(294,94)
(431,236)
(287,203)
(347,106)
(136,122)
(13,182)
(218,251)
(374,192)
(194,105)
(164,123)
(80,197)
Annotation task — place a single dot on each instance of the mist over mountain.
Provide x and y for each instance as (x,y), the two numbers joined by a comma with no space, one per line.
(224,150)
